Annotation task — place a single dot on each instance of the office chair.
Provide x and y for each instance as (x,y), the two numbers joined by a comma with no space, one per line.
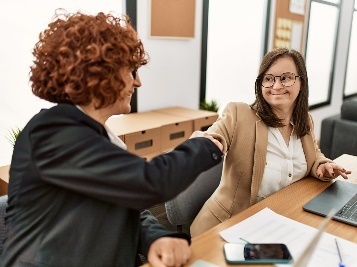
(339,132)
(3,205)
(183,208)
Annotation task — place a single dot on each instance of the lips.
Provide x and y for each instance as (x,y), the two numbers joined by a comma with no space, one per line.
(279,94)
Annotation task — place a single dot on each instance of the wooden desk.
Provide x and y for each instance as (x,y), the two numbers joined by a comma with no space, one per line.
(287,202)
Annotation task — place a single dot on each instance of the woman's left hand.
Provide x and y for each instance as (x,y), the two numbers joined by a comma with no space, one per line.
(331,170)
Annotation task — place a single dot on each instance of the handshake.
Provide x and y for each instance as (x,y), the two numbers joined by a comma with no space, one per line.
(206,135)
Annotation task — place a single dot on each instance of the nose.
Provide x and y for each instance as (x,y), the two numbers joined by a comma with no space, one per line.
(137,81)
(277,84)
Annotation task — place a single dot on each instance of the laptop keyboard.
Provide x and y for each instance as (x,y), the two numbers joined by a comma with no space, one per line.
(349,211)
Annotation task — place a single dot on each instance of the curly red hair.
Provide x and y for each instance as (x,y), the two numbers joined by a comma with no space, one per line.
(79,57)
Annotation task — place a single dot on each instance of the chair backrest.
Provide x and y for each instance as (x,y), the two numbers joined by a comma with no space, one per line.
(3,205)
(339,132)
(349,110)
(183,208)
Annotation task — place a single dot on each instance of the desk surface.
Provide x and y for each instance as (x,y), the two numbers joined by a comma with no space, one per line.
(287,202)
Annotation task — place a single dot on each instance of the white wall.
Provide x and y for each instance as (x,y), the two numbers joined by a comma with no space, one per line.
(234,50)
(20,24)
(172,77)
(340,68)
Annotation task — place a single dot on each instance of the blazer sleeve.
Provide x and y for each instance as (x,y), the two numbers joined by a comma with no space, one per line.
(151,229)
(223,129)
(320,157)
(70,155)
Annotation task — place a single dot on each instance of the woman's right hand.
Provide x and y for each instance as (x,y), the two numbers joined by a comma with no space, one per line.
(206,135)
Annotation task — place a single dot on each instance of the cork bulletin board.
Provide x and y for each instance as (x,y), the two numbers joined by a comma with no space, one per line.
(172,18)
(289,28)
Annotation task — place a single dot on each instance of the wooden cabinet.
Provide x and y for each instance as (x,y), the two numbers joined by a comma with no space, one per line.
(154,132)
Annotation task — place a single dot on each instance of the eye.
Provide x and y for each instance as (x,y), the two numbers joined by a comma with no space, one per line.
(287,77)
(268,78)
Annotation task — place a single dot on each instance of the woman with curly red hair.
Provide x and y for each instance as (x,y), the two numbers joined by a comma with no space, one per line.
(76,196)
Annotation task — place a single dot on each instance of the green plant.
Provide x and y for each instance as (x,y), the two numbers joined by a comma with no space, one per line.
(210,106)
(13,134)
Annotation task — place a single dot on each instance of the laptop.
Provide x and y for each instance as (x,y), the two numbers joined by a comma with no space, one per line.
(340,196)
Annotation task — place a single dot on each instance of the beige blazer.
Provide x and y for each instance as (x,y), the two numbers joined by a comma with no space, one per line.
(245,139)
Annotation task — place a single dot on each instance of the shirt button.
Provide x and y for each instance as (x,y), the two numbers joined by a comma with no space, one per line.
(289,174)
(214,156)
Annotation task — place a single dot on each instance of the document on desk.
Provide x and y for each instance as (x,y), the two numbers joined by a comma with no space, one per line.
(267,226)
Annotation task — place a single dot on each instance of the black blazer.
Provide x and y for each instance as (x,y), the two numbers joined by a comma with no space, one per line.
(75,198)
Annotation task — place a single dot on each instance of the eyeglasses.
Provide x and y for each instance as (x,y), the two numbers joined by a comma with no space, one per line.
(286,79)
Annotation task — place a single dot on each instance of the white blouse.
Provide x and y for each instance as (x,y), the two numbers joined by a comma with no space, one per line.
(284,164)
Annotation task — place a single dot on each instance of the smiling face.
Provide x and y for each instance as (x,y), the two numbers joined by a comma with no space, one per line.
(132,80)
(278,96)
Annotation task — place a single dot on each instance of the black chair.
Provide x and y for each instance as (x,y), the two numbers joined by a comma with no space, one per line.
(339,132)
(183,209)
(3,205)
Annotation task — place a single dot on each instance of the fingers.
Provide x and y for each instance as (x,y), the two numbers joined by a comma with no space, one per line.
(331,170)
(155,260)
(198,134)
(179,254)
(168,251)
(176,256)
(206,135)
(338,172)
(216,142)
(344,173)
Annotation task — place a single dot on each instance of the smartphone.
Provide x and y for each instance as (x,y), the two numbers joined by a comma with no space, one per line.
(263,253)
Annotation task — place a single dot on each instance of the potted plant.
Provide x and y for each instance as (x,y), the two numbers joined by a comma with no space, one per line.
(13,134)
(210,106)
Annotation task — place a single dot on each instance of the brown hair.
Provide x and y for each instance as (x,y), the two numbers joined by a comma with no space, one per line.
(300,116)
(78,58)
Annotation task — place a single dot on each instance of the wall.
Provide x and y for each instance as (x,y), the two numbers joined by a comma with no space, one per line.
(172,77)
(340,68)
(20,24)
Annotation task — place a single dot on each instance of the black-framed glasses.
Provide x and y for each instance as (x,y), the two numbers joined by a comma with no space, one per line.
(286,79)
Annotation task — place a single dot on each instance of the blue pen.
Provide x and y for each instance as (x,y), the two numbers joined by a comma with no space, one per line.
(339,254)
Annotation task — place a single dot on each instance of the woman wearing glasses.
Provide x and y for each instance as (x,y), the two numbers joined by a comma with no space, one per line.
(268,144)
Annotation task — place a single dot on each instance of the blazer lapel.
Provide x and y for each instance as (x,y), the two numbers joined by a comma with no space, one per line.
(309,150)
(261,145)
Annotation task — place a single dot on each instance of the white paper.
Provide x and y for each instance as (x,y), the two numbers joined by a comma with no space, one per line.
(296,36)
(297,7)
(202,263)
(267,226)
